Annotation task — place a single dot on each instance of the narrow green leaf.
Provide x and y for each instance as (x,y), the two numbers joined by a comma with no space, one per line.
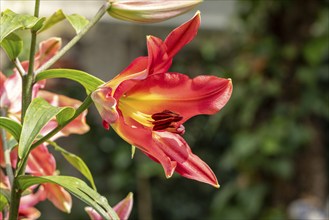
(10,22)
(13,127)
(75,186)
(75,161)
(12,45)
(89,82)
(38,114)
(78,22)
(52,20)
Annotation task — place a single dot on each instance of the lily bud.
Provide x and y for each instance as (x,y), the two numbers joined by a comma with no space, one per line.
(149,11)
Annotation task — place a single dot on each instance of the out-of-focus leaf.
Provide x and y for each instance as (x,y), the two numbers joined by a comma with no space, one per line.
(89,82)
(52,20)
(78,22)
(75,186)
(315,50)
(10,22)
(4,197)
(12,45)
(38,114)
(75,161)
(13,127)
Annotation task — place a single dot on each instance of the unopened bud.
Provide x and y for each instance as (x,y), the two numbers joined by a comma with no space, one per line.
(149,11)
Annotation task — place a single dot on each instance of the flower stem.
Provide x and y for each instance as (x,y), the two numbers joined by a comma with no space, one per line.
(27,85)
(74,40)
(6,151)
(27,79)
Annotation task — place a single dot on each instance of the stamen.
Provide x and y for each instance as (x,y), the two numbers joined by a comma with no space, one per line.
(168,120)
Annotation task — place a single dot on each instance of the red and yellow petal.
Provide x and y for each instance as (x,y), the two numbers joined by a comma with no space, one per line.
(177,93)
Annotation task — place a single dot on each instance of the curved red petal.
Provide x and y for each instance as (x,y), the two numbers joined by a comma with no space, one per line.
(142,139)
(178,93)
(158,59)
(59,197)
(124,207)
(188,164)
(182,35)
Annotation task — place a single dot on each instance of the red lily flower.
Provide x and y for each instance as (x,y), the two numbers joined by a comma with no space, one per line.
(147,106)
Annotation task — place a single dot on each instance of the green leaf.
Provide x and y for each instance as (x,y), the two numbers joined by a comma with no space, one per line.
(89,82)
(10,22)
(52,20)
(13,127)
(78,22)
(3,199)
(38,114)
(75,161)
(12,45)
(75,186)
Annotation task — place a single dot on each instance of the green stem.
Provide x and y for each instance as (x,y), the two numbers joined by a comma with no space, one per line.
(27,79)
(16,194)
(27,85)
(6,151)
(74,40)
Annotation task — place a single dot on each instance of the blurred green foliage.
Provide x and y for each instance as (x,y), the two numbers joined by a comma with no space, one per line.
(261,145)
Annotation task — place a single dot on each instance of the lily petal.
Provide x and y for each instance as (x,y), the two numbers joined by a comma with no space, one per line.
(189,165)
(142,138)
(47,49)
(159,61)
(124,207)
(175,92)
(11,92)
(42,163)
(182,35)
(59,197)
